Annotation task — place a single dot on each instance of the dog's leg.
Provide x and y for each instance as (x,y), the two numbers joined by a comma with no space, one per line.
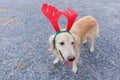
(56,61)
(85,41)
(75,63)
(92,45)
(74,69)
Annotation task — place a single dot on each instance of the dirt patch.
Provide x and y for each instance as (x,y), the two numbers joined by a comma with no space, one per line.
(11,20)
(3,9)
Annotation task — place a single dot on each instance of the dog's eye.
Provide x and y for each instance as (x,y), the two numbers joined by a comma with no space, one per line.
(61,43)
(72,43)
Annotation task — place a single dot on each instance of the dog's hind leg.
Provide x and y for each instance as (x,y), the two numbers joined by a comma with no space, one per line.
(94,34)
(92,44)
(92,37)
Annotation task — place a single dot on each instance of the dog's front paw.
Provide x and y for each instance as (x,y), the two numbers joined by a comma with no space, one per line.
(56,61)
(75,69)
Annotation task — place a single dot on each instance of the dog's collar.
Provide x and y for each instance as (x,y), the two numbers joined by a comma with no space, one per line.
(54,39)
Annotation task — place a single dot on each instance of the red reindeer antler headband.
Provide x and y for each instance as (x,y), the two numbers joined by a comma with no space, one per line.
(53,15)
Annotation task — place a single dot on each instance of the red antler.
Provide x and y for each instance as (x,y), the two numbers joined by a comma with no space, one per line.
(71,16)
(52,14)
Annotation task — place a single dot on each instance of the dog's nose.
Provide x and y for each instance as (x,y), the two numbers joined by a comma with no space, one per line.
(71,58)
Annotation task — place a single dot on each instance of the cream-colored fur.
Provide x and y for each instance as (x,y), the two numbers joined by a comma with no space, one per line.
(82,30)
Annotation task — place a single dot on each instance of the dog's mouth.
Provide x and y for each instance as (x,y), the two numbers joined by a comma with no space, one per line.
(66,62)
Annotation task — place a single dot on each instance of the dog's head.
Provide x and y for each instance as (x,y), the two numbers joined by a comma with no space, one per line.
(65,46)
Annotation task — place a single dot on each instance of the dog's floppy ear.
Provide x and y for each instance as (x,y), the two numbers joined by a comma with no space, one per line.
(77,41)
(51,44)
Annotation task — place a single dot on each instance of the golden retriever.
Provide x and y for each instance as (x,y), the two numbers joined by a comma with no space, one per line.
(68,45)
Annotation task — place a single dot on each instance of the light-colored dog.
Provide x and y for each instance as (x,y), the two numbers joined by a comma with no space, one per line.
(69,45)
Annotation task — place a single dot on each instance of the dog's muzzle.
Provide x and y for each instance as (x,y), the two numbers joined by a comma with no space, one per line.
(69,61)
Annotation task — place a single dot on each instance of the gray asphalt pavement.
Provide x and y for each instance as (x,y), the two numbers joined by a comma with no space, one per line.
(24,33)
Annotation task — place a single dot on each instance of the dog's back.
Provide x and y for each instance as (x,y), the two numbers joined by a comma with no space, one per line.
(85,28)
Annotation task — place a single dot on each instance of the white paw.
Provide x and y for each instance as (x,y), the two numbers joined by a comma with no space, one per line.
(91,49)
(55,61)
(74,69)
